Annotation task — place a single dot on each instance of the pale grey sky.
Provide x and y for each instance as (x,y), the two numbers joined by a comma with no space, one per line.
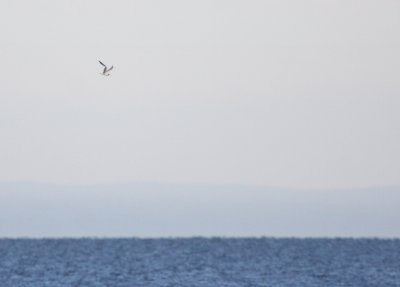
(161,210)
(300,94)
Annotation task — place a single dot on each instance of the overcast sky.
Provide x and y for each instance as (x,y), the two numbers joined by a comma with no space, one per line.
(302,94)
(162,210)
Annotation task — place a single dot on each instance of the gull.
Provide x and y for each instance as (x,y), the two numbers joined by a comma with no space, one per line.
(106,71)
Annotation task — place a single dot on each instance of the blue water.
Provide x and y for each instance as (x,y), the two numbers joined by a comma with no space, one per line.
(199,262)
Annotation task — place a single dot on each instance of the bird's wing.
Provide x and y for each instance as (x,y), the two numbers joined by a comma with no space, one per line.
(110,69)
(105,67)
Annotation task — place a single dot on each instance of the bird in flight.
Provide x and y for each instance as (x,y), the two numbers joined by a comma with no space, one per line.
(106,70)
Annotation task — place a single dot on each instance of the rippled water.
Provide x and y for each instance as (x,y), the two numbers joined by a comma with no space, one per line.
(199,262)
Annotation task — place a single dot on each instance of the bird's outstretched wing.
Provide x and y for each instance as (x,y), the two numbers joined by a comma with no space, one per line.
(105,67)
(112,67)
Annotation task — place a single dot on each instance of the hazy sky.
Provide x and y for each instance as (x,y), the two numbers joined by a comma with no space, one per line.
(161,210)
(301,94)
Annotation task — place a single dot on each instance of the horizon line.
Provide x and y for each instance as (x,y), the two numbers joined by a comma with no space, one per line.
(193,184)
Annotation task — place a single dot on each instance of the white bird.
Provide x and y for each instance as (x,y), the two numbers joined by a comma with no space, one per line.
(106,71)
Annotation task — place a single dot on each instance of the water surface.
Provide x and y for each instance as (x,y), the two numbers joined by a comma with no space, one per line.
(199,262)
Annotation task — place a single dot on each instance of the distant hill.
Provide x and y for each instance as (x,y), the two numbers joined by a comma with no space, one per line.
(159,210)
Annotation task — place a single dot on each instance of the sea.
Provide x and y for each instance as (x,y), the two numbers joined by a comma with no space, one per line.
(230,262)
